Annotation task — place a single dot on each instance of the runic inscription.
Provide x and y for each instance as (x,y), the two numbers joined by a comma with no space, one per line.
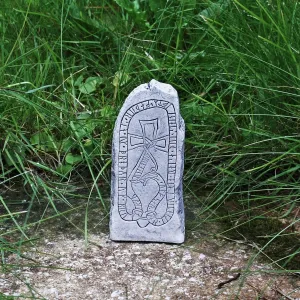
(147,167)
(152,138)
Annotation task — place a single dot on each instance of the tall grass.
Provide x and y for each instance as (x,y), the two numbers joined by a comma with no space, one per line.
(66,68)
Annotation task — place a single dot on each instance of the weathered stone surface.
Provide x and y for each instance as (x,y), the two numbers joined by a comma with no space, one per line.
(148,157)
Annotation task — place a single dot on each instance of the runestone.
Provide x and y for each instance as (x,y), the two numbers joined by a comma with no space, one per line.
(147,167)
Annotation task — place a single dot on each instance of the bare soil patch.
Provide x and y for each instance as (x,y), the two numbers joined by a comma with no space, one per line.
(64,267)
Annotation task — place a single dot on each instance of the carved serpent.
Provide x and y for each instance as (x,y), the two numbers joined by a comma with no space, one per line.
(150,215)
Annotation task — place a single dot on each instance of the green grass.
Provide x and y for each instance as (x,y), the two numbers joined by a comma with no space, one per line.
(66,69)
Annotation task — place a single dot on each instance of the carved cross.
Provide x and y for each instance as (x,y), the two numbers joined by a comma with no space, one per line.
(149,138)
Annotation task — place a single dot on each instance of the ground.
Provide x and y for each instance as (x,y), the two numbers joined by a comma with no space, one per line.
(65,267)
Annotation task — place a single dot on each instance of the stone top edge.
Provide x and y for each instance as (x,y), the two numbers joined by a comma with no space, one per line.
(153,90)
(163,87)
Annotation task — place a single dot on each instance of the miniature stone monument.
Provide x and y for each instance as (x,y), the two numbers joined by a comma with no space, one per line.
(148,154)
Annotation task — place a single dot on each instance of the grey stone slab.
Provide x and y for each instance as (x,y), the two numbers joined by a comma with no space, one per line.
(147,168)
